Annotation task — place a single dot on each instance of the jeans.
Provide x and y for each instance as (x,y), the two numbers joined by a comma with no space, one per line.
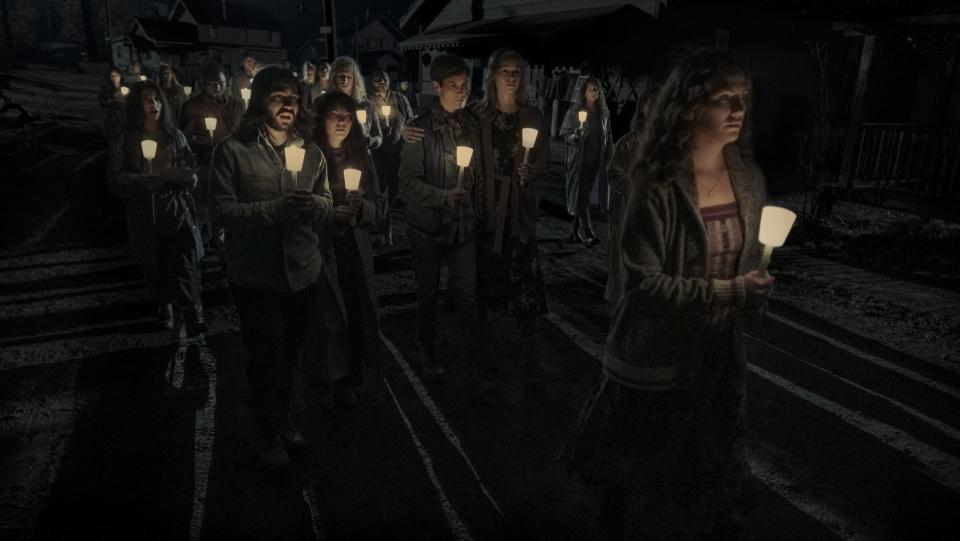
(461,260)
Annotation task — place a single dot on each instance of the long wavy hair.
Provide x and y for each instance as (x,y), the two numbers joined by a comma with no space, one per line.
(347,63)
(353,145)
(579,100)
(107,83)
(668,132)
(133,126)
(488,103)
(268,80)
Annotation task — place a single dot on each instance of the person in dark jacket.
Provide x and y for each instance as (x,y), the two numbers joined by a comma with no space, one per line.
(112,99)
(663,433)
(354,215)
(212,101)
(624,155)
(347,78)
(172,89)
(160,211)
(243,78)
(510,278)
(441,219)
(588,155)
(387,156)
(275,262)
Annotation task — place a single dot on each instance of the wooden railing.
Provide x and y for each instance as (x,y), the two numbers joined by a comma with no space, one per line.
(920,159)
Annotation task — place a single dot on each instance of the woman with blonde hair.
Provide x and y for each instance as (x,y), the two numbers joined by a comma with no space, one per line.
(347,79)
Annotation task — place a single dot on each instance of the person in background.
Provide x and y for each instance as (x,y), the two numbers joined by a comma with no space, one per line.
(663,433)
(354,215)
(134,74)
(441,216)
(624,155)
(387,155)
(113,102)
(321,82)
(275,264)
(243,78)
(160,212)
(406,89)
(308,73)
(347,79)
(172,90)
(509,275)
(590,152)
(212,101)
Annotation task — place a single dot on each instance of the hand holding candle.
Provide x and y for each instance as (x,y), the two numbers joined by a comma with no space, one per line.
(124,91)
(245,94)
(775,224)
(211,124)
(294,158)
(386,110)
(362,119)
(582,117)
(149,149)
(464,154)
(188,90)
(351,179)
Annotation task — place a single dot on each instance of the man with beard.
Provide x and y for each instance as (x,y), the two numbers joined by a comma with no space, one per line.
(275,259)
(244,77)
(212,102)
(387,156)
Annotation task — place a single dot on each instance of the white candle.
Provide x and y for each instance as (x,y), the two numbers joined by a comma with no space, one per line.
(528,138)
(385,109)
(245,94)
(124,91)
(294,157)
(362,116)
(582,117)
(464,154)
(188,90)
(143,77)
(351,179)
(211,124)
(149,149)
(775,225)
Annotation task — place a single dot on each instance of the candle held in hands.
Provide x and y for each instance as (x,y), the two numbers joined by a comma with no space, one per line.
(211,124)
(124,91)
(294,158)
(386,110)
(245,94)
(582,117)
(528,138)
(149,149)
(351,179)
(464,154)
(362,116)
(775,225)
(188,90)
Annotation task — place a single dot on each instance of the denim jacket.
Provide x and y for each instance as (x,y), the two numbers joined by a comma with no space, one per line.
(264,249)
(428,170)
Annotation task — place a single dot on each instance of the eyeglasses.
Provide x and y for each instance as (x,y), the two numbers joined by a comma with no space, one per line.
(287,100)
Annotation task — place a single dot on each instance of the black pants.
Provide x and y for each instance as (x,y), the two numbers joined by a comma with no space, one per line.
(588,176)
(461,260)
(353,287)
(273,326)
(176,278)
(388,174)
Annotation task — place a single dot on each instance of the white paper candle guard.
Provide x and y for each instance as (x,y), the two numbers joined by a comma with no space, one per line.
(351,179)
(294,157)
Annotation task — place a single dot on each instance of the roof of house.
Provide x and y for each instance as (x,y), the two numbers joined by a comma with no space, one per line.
(164,31)
(385,22)
(238,15)
(459,12)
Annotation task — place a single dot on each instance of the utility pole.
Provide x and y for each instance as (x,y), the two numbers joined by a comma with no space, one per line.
(330,20)
(356,40)
(106,10)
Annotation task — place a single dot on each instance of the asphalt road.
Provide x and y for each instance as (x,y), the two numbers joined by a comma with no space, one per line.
(848,439)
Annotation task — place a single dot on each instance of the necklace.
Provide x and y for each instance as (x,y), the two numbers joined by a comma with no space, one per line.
(715,184)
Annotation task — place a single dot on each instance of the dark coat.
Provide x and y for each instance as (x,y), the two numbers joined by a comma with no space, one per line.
(392,128)
(575,154)
(517,202)
(618,175)
(660,323)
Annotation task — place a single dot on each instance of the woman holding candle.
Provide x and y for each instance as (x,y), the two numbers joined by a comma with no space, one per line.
(663,433)
(618,173)
(112,99)
(393,114)
(590,143)
(355,213)
(160,213)
(347,79)
(509,277)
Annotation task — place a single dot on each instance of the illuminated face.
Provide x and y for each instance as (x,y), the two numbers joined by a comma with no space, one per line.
(337,125)
(214,89)
(404,86)
(311,75)
(722,117)
(508,76)
(323,73)
(453,92)
(380,82)
(591,93)
(151,104)
(116,78)
(343,79)
(282,109)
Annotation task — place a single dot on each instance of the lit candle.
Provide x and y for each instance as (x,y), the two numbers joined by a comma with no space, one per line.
(528,138)
(245,94)
(385,109)
(351,179)
(362,119)
(582,117)
(143,77)
(211,123)
(775,224)
(294,158)
(124,91)
(149,149)
(188,90)
(463,160)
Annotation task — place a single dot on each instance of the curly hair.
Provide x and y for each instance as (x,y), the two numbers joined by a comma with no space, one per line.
(345,63)
(488,104)
(331,101)
(668,132)
(579,99)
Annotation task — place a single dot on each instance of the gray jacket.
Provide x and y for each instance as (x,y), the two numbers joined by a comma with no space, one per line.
(264,249)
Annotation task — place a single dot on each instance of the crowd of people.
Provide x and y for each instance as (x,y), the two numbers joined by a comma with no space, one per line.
(293,179)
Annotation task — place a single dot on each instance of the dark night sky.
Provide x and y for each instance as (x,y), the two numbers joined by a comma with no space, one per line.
(289,14)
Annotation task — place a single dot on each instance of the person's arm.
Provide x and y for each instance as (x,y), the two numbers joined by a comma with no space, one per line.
(619,168)
(407,109)
(540,153)
(570,129)
(225,208)
(321,192)
(375,134)
(414,189)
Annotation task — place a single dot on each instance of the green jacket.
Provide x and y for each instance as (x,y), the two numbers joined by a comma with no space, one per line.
(660,322)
